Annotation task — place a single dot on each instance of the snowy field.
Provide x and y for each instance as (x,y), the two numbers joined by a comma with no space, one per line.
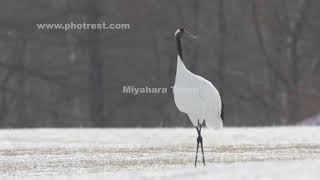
(231,153)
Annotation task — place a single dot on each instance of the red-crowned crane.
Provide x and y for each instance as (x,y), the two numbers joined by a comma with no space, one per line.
(196,96)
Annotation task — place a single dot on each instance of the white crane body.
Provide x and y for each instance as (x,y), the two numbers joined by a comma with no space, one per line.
(197,97)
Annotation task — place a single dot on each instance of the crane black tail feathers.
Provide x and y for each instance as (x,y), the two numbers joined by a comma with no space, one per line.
(222,111)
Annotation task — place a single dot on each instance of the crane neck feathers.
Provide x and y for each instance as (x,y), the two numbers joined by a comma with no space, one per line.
(181,68)
(180,64)
(179,46)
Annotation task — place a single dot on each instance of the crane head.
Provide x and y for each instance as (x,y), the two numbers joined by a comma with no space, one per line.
(179,32)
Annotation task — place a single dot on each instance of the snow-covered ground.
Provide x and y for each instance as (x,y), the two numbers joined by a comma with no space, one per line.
(231,153)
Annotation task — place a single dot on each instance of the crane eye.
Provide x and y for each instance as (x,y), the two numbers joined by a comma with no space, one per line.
(181,30)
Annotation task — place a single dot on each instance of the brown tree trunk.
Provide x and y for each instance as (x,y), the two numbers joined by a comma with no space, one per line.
(195,62)
(294,35)
(20,60)
(95,71)
(222,30)
(222,33)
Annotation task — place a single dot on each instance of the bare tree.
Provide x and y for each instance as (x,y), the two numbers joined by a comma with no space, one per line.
(294,35)
(95,69)
(222,34)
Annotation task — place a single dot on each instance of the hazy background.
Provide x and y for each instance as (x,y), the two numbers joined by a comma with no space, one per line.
(263,55)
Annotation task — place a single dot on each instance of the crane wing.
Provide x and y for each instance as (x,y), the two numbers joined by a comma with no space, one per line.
(210,95)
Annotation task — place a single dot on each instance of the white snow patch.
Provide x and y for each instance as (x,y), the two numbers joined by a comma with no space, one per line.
(287,170)
(231,153)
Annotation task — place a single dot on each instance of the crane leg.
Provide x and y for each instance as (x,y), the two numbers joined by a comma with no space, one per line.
(199,141)
(203,160)
(195,162)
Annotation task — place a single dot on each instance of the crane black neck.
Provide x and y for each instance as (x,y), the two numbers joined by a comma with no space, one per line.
(179,46)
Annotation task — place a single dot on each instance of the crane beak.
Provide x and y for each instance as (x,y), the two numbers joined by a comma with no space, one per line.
(189,34)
